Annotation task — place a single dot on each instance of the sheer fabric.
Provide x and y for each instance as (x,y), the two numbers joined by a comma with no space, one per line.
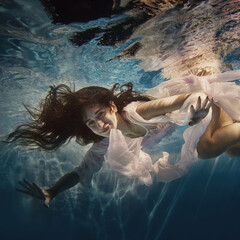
(133,162)
(126,155)
(92,161)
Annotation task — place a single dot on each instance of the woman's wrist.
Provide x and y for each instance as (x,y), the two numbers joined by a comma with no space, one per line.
(49,193)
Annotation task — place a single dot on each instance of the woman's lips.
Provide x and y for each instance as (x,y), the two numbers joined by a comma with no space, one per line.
(106,128)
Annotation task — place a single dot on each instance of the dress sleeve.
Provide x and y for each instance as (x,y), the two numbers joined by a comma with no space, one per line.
(92,162)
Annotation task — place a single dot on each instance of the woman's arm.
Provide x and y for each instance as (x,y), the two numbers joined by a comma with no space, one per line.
(83,175)
(30,188)
(91,163)
(161,106)
(65,182)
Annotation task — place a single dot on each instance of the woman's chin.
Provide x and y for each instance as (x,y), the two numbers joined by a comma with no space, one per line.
(106,133)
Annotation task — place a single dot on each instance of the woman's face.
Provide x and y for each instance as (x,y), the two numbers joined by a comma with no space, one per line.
(101,119)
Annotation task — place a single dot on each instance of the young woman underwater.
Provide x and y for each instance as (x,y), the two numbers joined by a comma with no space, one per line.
(120,122)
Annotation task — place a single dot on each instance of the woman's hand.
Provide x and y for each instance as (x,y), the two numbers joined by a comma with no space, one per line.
(200,112)
(34,190)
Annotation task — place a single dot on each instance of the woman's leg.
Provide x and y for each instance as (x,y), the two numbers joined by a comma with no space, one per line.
(221,135)
(234,151)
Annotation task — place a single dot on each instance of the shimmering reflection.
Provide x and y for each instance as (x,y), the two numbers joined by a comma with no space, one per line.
(191,40)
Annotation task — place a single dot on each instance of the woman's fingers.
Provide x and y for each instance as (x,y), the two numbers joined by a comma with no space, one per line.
(191,123)
(200,111)
(38,190)
(198,106)
(47,202)
(205,102)
(24,185)
(31,189)
(192,110)
(210,104)
(22,191)
(27,184)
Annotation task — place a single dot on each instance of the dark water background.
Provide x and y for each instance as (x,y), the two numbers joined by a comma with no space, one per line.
(35,53)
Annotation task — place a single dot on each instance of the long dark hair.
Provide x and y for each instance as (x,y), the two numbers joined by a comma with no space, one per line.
(60,116)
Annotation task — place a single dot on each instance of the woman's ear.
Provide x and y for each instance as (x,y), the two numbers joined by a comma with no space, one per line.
(113,106)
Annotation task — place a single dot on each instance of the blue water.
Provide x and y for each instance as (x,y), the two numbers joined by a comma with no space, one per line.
(36,54)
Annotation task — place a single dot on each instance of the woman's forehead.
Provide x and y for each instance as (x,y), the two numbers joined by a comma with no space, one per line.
(92,107)
(92,110)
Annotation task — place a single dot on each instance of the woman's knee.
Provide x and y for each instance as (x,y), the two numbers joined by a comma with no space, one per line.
(234,151)
(207,149)
(202,150)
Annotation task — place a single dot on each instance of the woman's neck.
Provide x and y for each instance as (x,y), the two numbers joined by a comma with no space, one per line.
(128,128)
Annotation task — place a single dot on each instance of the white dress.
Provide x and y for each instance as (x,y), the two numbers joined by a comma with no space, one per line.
(125,155)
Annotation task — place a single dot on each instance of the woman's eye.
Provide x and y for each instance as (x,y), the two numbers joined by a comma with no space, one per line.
(100,114)
(90,124)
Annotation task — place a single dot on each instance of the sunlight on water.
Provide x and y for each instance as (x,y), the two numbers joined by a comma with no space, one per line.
(191,40)
(36,54)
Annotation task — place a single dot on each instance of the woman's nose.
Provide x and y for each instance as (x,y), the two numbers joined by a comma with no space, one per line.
(100,123)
